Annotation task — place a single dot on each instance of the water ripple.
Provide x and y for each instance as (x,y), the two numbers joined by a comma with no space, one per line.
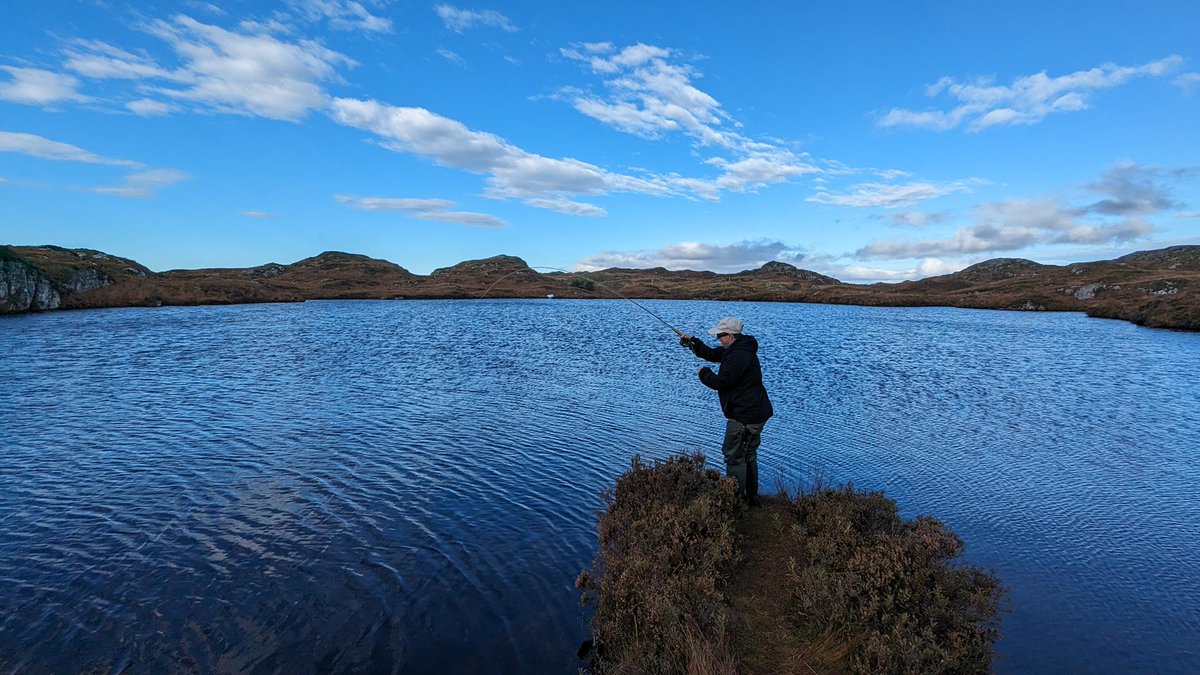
(321,487)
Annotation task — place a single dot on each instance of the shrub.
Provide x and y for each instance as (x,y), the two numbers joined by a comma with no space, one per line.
(889,585)
(666,551)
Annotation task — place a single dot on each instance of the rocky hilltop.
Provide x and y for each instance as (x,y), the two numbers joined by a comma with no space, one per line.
(1159,288)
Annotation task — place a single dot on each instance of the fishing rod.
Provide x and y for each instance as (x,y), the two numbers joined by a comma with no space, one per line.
(533,268)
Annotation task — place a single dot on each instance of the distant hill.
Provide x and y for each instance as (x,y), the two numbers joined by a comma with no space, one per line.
(1159,288)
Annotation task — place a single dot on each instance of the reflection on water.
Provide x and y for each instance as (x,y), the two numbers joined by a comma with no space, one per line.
(411,486)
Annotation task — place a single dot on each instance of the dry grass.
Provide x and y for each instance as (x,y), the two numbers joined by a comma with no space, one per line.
(831,580)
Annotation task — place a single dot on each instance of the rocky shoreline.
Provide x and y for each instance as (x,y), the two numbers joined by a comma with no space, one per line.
(1158,288)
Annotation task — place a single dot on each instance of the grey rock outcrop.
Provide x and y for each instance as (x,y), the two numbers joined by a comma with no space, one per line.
(86,280)
(1088,292)
(23,288)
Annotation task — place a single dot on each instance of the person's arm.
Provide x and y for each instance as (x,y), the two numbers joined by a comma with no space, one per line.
(702,350)
(730,372)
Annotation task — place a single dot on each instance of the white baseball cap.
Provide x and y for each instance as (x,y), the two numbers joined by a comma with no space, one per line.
(727,325)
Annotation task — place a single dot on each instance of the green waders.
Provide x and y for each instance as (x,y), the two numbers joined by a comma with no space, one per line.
(740,448)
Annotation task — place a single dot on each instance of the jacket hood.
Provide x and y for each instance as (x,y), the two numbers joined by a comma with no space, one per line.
(744,342)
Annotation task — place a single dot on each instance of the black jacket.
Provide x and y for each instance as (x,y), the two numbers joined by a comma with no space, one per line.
(739,381)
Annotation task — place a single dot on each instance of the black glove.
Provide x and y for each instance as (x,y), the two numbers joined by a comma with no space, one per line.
(689,343)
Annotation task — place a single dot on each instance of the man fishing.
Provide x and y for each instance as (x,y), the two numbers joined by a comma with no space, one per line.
(743,398)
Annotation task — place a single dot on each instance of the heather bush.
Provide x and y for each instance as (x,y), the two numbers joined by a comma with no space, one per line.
(890,586)
(666,551)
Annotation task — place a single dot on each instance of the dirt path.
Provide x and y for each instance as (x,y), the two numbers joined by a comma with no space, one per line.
(764,637)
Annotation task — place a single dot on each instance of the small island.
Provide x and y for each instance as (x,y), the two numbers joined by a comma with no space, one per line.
(1158,288)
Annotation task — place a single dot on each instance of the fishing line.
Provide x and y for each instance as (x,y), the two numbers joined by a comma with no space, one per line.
(532,268)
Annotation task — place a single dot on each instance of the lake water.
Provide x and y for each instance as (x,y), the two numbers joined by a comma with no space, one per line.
(411,486)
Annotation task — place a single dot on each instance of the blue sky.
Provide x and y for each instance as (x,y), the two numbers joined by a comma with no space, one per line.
(865,140)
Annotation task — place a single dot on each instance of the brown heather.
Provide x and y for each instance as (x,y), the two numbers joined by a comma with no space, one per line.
(1158,288)
(831,580)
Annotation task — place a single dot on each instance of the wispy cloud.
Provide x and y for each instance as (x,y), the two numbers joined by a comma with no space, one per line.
(860,273)
(393,203)
(144,184)
(511,171)
(459,20)
(452,57)
(1026,100)
(567,206)
(918,219)
(44,148)
(893,195)
(1187,81)
(462,218)
(650,93)
(342,15)
(101,61)
(258,214)
(698,256)
(34,86)
(423,208)
(1134,190)
(146,107)
(1131,194)
(245,73)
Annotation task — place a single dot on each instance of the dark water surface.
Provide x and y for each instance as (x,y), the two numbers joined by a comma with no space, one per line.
(411,486)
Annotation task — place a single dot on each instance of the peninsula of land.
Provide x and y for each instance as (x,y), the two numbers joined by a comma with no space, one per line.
(1158,288)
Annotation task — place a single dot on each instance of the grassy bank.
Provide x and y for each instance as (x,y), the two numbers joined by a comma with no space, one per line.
(686,580)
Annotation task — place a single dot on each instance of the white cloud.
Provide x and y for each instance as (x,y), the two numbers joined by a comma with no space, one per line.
(1027,100)
(44,148)
(423,208)
(150,108)
(567,206)
(143,184)
(247,73)
(459,20)
(697,256)
(205,7)
(934,267)
(343,15)
(760,170)
(101,61)
(452,57)
(892,195)
(462,218)
(511,171)
(258,214)
(1187,81)
(649,96)
(1183,215)
(34,86)
(393,203)
(857,273)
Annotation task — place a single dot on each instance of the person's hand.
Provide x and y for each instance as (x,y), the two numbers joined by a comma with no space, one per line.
(685,336)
